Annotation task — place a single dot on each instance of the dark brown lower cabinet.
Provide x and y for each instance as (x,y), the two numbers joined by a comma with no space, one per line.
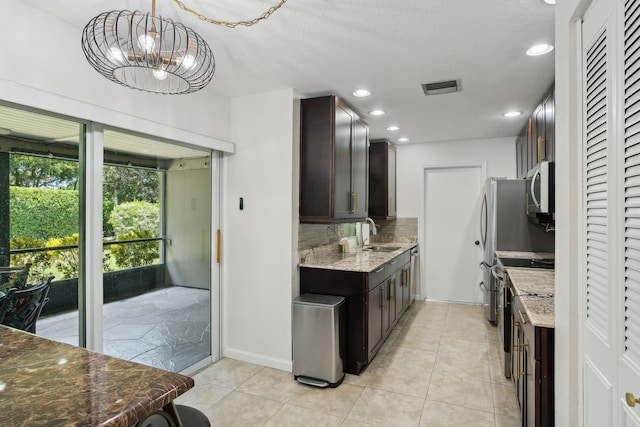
(532,369)
(375,302)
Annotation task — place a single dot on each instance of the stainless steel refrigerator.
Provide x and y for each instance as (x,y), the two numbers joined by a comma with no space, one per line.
(504,226)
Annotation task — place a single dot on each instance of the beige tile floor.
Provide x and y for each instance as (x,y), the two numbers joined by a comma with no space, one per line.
(439,367)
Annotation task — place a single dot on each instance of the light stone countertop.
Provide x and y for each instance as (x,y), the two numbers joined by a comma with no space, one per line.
(536,289)
(361,261)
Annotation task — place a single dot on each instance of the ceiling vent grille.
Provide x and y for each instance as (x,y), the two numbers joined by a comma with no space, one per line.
(441,87)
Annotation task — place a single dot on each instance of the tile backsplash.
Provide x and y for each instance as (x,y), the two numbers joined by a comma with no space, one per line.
(395,230)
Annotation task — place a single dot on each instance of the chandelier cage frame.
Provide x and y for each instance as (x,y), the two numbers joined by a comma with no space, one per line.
(146,52)
(143,51)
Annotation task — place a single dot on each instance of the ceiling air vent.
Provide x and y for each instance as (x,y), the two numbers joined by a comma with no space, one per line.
(441,87)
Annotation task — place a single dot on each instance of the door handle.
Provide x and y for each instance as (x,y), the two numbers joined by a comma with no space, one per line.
(631,399)
(477,242)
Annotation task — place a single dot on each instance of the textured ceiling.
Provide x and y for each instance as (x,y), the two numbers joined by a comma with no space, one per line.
(389,47)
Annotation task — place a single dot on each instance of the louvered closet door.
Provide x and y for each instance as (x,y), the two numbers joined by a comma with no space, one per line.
(599,329)
(629,363)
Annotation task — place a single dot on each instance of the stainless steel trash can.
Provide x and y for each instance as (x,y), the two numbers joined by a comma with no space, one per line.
(318,339)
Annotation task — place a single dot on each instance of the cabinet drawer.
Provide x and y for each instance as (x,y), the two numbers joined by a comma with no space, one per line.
(405,257)
(392,266)
(377,276)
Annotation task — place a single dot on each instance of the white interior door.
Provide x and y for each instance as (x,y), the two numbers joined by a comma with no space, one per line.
(629,264)
(599,358)
(452,197)
(611,207)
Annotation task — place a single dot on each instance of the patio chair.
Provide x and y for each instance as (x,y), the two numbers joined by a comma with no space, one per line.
(14,277)
(20,308)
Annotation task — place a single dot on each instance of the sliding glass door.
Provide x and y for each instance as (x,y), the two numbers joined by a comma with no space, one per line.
(124,223)
(157,230)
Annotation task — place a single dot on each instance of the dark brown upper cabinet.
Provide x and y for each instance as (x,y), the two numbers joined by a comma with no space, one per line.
(334,162)
(382,180)
(536,142)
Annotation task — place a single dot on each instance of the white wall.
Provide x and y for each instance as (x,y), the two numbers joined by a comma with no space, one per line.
(43,55)
(500,154)
(258,244)
(568,211)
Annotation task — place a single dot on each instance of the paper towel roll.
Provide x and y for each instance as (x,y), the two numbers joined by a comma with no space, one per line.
(365,234)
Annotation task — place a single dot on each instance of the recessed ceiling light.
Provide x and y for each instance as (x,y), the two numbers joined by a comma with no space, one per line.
(403,139)
(512,113)
(539,49)
(550,1)
(393,128)
(360,93)
(5,131)
(377,112)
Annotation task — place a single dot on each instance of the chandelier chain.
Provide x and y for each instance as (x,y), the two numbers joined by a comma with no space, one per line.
(232,24)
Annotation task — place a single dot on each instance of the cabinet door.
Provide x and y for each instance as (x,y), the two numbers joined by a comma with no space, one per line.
(532,152)
(526,382)
(391,189)
(521,155)
(342,157)
(386,307)
(376,308)
(549,127)
(539,141)
(399,294)
(406,291)
(360,169)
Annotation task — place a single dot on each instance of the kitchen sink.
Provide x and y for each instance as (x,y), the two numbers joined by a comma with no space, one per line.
(381,248)
(527,262)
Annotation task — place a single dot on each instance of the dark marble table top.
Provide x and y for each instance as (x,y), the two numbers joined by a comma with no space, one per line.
(46,383)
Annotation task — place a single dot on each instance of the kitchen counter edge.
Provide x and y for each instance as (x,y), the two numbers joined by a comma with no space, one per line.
(363,261)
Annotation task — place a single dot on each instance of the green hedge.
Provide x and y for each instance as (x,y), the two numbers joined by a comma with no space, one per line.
(41,213)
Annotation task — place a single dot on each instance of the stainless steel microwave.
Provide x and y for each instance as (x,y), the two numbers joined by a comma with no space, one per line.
(540,189)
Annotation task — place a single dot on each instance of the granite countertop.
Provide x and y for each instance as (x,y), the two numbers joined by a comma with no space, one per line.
(535,287)
(43,382)
(361,261)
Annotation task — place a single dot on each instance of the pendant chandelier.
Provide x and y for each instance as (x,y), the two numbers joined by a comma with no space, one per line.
(143,51)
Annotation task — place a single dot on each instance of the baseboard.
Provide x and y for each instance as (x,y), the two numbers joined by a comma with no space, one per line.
(258,359)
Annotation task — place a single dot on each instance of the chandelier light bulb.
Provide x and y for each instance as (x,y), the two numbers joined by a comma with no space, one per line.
(116,54)
(146,42)
(160,74)
(189,62)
